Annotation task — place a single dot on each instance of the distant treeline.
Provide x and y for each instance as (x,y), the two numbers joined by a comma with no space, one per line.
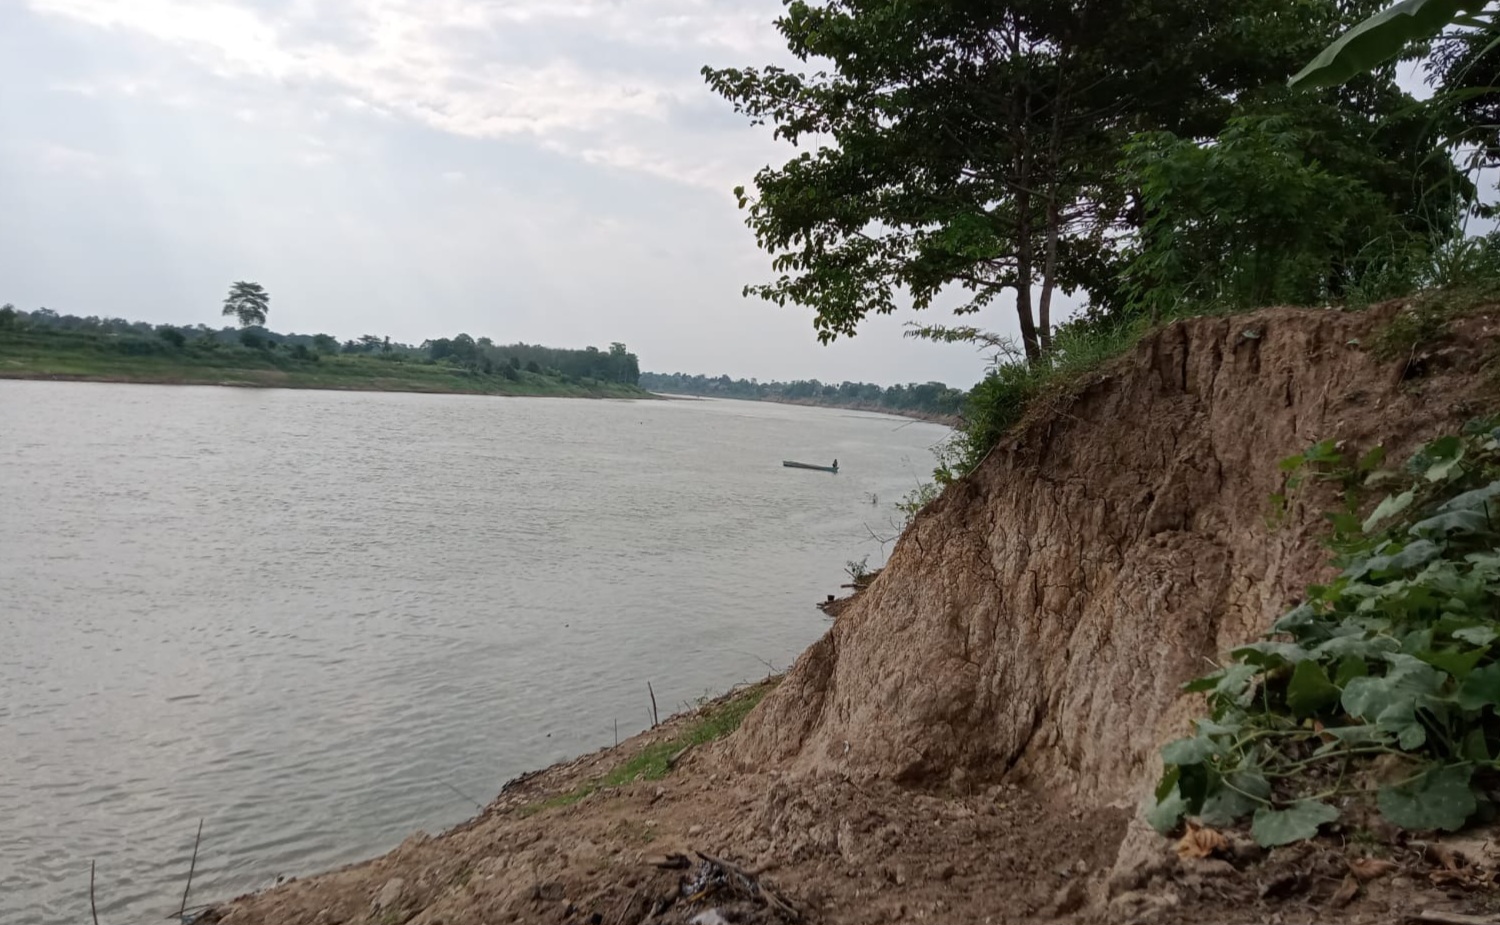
(927,398)
(482,355)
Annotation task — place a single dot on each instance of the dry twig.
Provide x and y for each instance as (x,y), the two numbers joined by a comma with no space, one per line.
(191,867)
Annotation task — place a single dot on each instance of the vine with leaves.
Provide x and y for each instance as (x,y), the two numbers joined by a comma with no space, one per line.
(1384,684)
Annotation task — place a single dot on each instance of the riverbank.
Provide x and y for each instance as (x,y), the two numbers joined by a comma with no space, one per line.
(947,420)
(974,738)
(613,836)
(674,826)
(86,361)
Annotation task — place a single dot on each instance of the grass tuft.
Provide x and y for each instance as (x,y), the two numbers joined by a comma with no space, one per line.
(652,762)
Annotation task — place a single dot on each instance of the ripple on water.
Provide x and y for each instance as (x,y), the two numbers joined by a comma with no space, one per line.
(309,617)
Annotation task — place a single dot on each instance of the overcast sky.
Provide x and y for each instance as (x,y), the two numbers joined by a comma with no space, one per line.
(552,171)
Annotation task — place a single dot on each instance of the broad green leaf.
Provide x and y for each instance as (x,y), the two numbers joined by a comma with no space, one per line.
(1271,654)
(1241,794)
(1168,783)
(1310,692)
(1372,460)
(1298,618)
(1400,720)
(1451,523)
(1415,555)
(1476,500)
(1481,688)
(1235,685)
(1457,663)
(1444,468)
(1341,647)
(1351,667)
(1475,748)
(1194,783)
(1417,642)
(1189,751)
(1478,635)
(1406,680)
(1207,727)
(1167,813)
(1389,508)
(1297,822)
(1205,683)
(1439,799)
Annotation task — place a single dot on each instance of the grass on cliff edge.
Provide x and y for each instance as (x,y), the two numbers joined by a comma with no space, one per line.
(712,722)
(1013,389)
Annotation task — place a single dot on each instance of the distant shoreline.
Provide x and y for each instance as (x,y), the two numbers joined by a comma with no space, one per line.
(947,420)
(277,379)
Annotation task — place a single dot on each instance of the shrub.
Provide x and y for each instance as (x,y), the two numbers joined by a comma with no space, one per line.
(1398,658)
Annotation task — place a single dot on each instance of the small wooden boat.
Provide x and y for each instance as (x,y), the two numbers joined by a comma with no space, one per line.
(798,465)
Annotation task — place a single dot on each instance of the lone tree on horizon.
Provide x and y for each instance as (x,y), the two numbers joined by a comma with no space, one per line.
(248,303)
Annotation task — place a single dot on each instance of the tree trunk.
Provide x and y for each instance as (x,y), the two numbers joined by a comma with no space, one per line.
(1049,275)
(1024,269)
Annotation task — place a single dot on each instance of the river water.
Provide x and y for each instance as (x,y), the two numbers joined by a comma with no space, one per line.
(321,621)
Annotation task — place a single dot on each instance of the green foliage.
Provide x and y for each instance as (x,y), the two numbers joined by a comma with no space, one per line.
(972,150)
(57,347)
(859,572)
(654,761)
(1013,386)
(934,398)
(173,337)
(1382,37)
(1396,657)
(1427,317)
(247,303)
(915,500)
(1247,221)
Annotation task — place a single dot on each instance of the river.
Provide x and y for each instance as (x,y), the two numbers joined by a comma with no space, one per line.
(321,621)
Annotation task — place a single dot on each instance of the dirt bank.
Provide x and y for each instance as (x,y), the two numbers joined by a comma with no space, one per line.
(969,741)
(1034,624)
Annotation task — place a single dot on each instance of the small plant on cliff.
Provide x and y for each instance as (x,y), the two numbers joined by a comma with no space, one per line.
(1383,684)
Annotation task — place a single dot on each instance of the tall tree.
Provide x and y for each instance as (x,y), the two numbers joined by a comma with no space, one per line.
(972,146)
(248,303)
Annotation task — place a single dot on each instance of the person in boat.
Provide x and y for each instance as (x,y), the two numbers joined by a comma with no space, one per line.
(835,464)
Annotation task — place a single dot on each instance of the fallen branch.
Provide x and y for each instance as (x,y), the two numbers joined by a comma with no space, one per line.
(676,757)
(654,720)
(754,887)
(92,908)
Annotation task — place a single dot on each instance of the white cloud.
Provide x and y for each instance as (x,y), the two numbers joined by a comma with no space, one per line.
(479,68)
(70,162)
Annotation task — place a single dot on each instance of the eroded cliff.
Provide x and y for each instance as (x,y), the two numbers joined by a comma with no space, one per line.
(1035,624)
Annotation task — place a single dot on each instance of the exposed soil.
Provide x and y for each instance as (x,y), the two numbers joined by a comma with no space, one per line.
(971,739)
(825,849)
(1036,622)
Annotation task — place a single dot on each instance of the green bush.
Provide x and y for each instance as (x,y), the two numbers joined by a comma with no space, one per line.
(1398,658)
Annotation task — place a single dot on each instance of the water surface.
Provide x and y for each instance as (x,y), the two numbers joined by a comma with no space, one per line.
(317,618)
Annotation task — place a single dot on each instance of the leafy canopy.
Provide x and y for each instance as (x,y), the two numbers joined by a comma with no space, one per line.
(247,303)
(1385,36)
(960,150)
